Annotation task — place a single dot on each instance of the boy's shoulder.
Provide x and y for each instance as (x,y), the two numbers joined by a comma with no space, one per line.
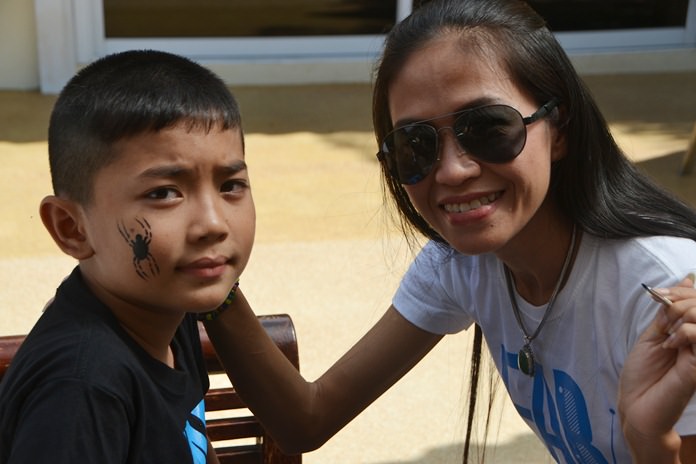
(79,341)
(65,345)
(76,338)
(78,373)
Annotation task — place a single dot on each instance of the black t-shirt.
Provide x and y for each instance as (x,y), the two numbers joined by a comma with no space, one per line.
(80,390)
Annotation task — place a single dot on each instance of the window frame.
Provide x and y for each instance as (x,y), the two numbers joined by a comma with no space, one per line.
(71,34)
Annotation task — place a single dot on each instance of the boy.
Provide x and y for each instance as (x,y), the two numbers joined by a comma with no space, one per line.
(152,197)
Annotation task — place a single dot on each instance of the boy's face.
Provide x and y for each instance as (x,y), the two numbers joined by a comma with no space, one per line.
(172,221)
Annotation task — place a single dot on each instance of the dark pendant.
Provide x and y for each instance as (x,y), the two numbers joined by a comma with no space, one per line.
(525,360)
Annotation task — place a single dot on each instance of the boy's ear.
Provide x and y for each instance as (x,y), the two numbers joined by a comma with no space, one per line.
(64,221)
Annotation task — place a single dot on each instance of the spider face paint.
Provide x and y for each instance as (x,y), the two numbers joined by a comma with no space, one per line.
(144,263)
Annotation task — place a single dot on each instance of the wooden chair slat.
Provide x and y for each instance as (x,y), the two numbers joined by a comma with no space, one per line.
(234,428)
(224,398)
(242,455)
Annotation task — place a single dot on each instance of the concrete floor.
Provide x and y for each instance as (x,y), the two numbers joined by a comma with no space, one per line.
(326,251)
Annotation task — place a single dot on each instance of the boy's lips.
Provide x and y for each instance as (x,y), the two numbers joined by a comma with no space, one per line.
(206,267)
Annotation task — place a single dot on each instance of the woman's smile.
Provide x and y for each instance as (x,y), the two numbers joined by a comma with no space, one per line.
(464,207)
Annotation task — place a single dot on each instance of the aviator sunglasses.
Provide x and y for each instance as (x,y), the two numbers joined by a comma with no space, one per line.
(491,133)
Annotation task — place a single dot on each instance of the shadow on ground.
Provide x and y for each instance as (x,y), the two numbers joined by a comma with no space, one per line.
(666,171)
(525,448)
(658,102)
(320,109)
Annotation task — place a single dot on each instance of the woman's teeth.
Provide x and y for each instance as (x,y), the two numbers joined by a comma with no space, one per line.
(464,207)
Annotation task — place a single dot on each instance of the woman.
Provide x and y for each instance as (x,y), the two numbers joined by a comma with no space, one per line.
(541,233)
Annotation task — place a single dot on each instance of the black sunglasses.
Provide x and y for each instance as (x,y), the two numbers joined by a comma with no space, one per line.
(491,133)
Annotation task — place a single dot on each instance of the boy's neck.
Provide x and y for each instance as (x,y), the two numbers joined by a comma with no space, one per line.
(152,330)
(162,353)
(161,350)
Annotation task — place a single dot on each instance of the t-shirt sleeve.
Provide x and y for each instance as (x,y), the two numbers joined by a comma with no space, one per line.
(425,296)
(673,268)
(63,422)
(687,422)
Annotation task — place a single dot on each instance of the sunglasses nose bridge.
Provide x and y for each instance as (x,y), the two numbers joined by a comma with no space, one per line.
(454,138)
(455,165)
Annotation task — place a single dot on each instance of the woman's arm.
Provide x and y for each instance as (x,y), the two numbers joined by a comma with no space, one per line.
(211,457)
(302,415)
(659,380)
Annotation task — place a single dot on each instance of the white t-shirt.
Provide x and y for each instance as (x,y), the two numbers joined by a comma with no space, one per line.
(571,401)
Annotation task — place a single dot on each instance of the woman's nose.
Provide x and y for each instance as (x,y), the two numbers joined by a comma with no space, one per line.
(455,165)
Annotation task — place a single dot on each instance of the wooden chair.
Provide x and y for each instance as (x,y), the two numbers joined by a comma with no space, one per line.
(237,435)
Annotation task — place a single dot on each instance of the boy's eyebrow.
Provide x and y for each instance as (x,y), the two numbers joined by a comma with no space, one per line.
(235,167)
(176,170)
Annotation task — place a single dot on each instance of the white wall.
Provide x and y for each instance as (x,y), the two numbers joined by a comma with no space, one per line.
(19,67)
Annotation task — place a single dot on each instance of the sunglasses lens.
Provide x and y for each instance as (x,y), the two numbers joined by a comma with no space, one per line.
(411,152)
(494,134)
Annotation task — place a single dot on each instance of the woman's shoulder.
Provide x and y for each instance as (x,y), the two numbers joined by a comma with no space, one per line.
(441,264)
(673,255)
(441,258)
(656,245)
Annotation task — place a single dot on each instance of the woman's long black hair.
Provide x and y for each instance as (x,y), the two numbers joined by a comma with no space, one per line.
(594,185)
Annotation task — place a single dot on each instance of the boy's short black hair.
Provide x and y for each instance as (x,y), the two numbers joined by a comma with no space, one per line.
(123,95)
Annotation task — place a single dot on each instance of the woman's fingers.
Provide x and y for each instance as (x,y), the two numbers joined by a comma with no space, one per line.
(681,333)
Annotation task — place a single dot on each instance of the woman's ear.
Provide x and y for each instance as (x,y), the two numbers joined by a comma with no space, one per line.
(559,144)
(559,147)
(64,221)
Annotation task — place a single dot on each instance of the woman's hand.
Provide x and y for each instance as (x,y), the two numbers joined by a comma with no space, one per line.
(659,379)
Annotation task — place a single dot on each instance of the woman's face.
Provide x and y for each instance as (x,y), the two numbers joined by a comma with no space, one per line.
(477,207)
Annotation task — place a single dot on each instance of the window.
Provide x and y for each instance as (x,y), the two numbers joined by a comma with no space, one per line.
(301,41)
(594,15)
(246,18)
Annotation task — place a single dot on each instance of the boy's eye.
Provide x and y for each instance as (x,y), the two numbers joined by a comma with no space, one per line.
(163,193)
(233,185)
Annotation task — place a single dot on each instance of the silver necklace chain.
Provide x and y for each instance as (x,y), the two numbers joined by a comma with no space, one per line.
(525,360)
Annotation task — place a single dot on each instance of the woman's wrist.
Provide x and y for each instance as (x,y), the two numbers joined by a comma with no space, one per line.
(215,313)
(653,449)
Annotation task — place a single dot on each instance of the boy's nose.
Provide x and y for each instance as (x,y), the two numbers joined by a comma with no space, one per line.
(208,220)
